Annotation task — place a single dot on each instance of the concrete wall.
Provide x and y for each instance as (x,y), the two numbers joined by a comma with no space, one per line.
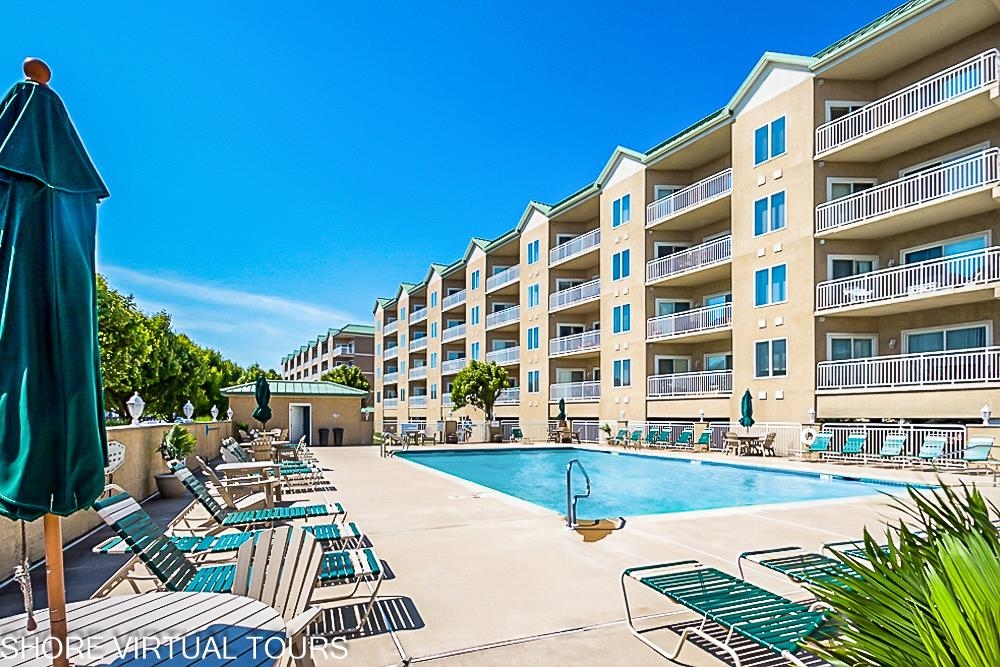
(356,430)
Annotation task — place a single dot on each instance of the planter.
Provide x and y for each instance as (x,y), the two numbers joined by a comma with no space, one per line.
(169,486)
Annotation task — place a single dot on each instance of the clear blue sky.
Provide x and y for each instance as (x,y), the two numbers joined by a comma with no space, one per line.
(270,149)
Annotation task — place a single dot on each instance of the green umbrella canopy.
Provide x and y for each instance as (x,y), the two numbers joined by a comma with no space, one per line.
(262,393)
(746,410)
(562,410)
(52,438)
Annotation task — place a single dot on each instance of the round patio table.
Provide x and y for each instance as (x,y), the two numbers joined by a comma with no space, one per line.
(152,629)
(267,469)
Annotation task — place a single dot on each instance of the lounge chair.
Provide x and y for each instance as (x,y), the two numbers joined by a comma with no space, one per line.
(635,440)
(820,446)
(853,450)
(931,450)
(767,444)
(763,617)
(799,565)
(684,439)
(516,435)
(731,443)
(891,451)
(651,437)
(704,439)
(663,440)
(977,455)
(244,436)
(620,438)
(290,471)
(234,489)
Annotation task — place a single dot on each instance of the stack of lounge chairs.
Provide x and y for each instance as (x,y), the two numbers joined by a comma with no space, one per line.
(932,452)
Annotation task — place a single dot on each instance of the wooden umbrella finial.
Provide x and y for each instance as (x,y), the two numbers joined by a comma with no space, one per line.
(36,70)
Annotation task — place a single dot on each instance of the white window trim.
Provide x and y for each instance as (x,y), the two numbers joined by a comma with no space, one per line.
(453,290)
(538,289)
(840,180)
(505,304)
(571,370)
(565,238)
(676,244)
(657,302)
(770,355)
(988,234)
(621,361)
(561,283)
(675,188)
(906,333)
(716,235)
(705,356)
(840,103)
(830,336)
(583,325)
(538,384)
(620,265)
(948,157)
(623,331)
(831,258)
(503,340)
(768,126)
(769,269)
(500,268)
(767,198)
(622,209)
(658,357)
(527,250)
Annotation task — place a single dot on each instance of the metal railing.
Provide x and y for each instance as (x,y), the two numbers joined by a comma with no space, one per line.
(696,257)
(453,300)
(924,370)
(952,178)
(453,365)
(568,297)
(976,73)
(391,352)
(509,396)
(875,435)
(694,195)
(575,246)
(390,403)
(536,431)
(418,315)
(505,277)
(390,378)
(976,267)
(581,342)
(698,383)
(501,317)
(446,401)
(573,498)
(418,400)
(575,391)
(418,343)
(390,327)
(508,355)
(708,318)
(787,435)
(417,373)
(343,351)
(453,332)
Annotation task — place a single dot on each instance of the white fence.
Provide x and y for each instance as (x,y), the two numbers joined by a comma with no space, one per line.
(568,297)
(700,256)
(875,435)
(575,391)
(418,400)
(390,327)
(391,352)
(501,317)
(506,356)
(509,396)
(976,73)
(418,343)
(911,371)
(390,402)
(446,401)
(581,342)
(453,365)
(537,431)
(391,378)
(699,193)
(453,300)
(575,246)
(699,383)
(418,315)
(418,372)
(342,351)
(505,277)
(690,321)
(787,440)
(453,332)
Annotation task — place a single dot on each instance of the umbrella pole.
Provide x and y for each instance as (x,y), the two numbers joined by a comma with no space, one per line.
(55,588)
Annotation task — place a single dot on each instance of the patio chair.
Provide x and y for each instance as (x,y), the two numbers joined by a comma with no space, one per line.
(931,450)
(516,434)
(116,459)
(704,439)
(820,446)
(577,436)
(635,439)
(767,444)
(663,440)
(231,452)
(977,455)
(244,436)
(731,443)
(684,439)
(765,618)
(621,437)
(853,450)
(651,437)
(234,489)
(799,565)
(890,452)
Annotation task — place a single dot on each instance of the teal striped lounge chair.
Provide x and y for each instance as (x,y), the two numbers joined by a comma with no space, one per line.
(977,455)
(820,446)
(662,439)
(763,617)
(243,513)
(651,437)
(684,440)
(635,439)
(705,438)
(852,451)
(621,437)
(799,565)
(290,471)
(891,451)
(931,450)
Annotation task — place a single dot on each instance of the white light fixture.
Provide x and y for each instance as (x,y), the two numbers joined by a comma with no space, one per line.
(701,415)
(135,407)
(985,412)
(188,410)
(229,414)
(812,415)
(215,413)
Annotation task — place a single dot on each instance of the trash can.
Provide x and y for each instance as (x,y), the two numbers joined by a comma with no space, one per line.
(338,436)
(324,437)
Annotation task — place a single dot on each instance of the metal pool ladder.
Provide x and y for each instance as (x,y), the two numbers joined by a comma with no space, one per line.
(572,498)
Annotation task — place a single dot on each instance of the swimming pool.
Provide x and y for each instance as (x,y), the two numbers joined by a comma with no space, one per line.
(633,484)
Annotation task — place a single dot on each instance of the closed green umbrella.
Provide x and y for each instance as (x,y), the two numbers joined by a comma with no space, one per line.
(562,410)
(746,410)
(262,393)
(52,438)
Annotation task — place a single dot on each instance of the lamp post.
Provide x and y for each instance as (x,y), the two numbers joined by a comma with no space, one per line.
(229,414)
(985,412)
(215,413)
(135,407)
(188,410)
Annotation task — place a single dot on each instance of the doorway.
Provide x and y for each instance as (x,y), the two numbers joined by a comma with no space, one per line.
(300,422)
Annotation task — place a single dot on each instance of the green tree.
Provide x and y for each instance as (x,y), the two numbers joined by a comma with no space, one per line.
(351,376)
(250,374)
(479,384)
(124,338)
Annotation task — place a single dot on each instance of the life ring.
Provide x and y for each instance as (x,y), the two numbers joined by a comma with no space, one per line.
(808,435)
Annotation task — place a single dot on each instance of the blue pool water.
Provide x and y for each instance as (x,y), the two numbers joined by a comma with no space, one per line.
(629,484)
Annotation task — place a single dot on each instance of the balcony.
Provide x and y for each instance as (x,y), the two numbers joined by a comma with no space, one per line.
(934,283)
(503,279)
(587,341)
(418,401)
(453,300)
(575,392)
(418,344)
(953,190)
(446,401)
(390,403)
(702,263)
(505,357)
(391,352)
(390,327)
(683,385)
(577,247)
(452,366)
(706,201)
(391,378)
(503,317)
(453,332)
(708,323)
(343,351)
(418,315)
(574,296)
(950,101)
(509,396)
(417,373)
(911,372)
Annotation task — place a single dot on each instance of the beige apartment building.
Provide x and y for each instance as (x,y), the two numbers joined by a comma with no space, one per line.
(825,240)
(350,345)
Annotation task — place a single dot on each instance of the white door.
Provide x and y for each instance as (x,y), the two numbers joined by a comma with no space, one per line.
(300,422)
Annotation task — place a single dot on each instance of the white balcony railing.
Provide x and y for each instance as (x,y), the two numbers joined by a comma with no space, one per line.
(391,378)
(581,342)
(505,277)
(446,401)
(976,73)
(391,352)
(707,318)
(927,370)
(418,344)
(976,267)
(453,332)
(569,297)
(696,257)
(953,178)
(703,191)
(418,315)
(343,351)
(501,317)
(418,373)
(390,327)
(418,400)
(390,403)
(509,396)
(575,246)
(453,300)
(506,356)
(453,365)
(575,391)
(703,383)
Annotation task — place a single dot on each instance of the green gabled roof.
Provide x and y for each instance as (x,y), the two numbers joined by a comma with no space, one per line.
(574,199)
(532,206)
(451,268)
(381,302)
(502,239)
(289,388)
(358,329)
(879,25)
(403,288)
(686,134)
(616,155)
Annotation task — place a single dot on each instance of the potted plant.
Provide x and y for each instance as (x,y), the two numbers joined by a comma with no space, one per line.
(178,443)
(606,429)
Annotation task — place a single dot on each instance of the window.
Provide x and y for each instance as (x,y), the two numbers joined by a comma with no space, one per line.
(533,252)
(534,295)
(622,318)
(671,307)
(402,366)
(378,372)
(848,346)
(770,286)
(769,214)
(769,141)
(961,337)
(844,187)
(434,359)
(771,359)
(622,372)
(402,313)
(621,210)
(722,361)
(620,265)
(434,329)
(534,382)
(402,395)
(474,349)
(664,248)
(847,266)
(839,109)
(378,349)
(402,340)
(945,249)
(661,191)
(475,279)
(434,391)
(434,299)
(533,338)
(474,315)
(378,397)
(665,365)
